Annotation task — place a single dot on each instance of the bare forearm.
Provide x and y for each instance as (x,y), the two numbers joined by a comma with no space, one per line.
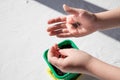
(103,70)
(108,19)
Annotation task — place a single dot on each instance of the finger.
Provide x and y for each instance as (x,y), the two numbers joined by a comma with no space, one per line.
(59,19)
(70,10)
(68,34)
(57,32)
(56,26)
(56,47)
(64,35)
(64,52)
(56,61)
(52,54)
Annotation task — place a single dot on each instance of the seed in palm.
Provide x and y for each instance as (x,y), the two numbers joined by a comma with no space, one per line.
(76,24)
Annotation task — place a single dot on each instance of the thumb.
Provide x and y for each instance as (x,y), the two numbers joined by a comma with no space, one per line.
(70,10)
(64,52)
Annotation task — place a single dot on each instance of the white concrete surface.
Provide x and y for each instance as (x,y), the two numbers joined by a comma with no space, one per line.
(23,37)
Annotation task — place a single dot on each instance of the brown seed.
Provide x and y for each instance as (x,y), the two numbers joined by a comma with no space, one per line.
(76,24)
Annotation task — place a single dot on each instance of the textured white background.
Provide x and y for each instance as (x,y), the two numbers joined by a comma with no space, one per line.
(23,37)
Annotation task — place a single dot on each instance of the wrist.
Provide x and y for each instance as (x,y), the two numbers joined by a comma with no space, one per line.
(102,70)
(100,23)
(108,19)
(88,65)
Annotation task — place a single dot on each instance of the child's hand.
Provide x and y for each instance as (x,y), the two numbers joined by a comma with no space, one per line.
(87,22)
(71,60)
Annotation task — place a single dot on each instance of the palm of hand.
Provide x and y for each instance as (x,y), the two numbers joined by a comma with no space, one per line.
(87,24)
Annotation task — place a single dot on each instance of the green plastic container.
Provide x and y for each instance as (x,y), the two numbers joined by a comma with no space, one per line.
(56,72)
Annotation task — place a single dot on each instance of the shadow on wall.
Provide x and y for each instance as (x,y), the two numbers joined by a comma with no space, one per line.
(57,5)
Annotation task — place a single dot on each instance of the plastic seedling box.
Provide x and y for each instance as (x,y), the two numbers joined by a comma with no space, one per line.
(56,72)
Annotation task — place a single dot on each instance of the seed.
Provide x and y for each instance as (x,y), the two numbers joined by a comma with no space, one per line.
(76,24)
